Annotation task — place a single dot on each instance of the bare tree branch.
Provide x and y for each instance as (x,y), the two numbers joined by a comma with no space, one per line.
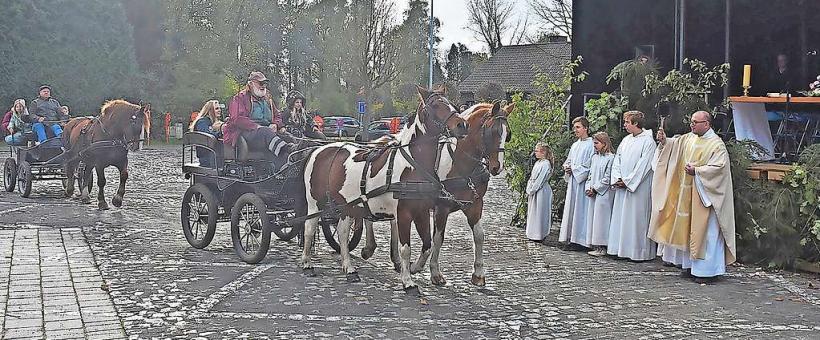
(491,20)
(556,15)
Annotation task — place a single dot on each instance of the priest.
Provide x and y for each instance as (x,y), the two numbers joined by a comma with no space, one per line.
(632,182)
(693,205)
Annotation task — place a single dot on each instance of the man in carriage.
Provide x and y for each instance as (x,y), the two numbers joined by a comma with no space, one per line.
(254,117)
(46,113)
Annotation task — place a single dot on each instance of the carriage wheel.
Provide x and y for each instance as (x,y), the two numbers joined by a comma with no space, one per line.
(10,174)
(332,235)
(283,230)
(200,211)
(24,177)
(249,228)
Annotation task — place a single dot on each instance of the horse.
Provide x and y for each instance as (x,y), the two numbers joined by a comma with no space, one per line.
(343,177)
(100,142)
(476,158)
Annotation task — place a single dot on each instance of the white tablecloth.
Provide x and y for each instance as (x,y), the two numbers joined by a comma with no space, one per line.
(751,123)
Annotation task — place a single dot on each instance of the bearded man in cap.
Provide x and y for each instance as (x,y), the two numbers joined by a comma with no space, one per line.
(253,116)
(45,113)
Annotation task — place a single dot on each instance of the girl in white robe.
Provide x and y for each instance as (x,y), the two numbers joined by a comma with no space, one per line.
(539,195)
(576,172)
(598,190)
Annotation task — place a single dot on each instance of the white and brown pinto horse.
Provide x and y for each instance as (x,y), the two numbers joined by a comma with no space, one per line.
(100,142)
(477,157)
(335,175)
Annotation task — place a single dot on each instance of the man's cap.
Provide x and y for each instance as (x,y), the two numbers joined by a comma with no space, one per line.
(257,76)
(44,87)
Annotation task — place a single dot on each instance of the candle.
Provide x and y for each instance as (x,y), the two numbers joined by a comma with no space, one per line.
(747,75)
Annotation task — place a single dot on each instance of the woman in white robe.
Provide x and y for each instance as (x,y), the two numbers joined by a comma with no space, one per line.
(539,195)
(598,190)
(576,172)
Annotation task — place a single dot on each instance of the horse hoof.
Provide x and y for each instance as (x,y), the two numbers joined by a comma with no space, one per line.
(116,201)
(102,206)
(438,280)
(353,277)
(85,200)
(309,272)
(478,281)
(367,253)
(412,291)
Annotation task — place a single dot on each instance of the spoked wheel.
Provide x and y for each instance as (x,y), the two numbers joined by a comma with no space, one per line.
(249,228)
(10,174)
(24,177)
(199,214)
(283,230)
(332,234)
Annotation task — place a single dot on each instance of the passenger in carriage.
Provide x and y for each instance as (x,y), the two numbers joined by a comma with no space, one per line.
(45,112)
(253,116)
(14,124)
(208,121)
(297,121)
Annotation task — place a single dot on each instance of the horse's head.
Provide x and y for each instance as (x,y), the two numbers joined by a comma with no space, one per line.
(489,124)
(439,116)
(125,120)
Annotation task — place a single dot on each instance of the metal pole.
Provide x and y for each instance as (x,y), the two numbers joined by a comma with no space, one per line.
(682,34)
(727,42)
(430,38)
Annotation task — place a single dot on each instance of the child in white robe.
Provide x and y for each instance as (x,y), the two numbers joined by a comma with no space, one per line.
(539,195)
(600,194)
(576,172)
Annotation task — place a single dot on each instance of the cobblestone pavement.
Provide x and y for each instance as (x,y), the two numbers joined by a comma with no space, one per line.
(161,287)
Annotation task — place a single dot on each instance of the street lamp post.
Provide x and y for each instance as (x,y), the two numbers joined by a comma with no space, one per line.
(430,80)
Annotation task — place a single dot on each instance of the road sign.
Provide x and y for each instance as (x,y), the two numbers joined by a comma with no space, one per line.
(362,106)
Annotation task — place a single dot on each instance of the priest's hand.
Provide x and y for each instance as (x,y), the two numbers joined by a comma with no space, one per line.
(661,136)
(690,169)
(620,184)
(590,192)
(568,170)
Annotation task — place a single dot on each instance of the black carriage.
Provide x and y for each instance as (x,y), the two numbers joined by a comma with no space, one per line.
(27,164)
(236,185)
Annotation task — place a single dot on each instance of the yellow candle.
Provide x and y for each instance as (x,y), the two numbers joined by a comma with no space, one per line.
(747,75)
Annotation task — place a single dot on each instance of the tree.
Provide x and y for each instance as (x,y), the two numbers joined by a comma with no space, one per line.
(556,15)
(489,92)
(414,49)
(491,21)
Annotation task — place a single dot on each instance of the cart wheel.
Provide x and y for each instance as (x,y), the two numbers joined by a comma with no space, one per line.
(24,179)
(10,174)
(200,211)
(249,228)
(332,235)
(282,229)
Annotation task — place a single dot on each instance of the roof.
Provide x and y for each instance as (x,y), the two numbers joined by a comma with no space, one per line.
(515,66)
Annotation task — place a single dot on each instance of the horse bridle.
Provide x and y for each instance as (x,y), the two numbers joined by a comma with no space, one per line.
(132,120)
(444,130)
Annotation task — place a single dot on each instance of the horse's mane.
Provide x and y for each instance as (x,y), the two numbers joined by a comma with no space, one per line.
(117,105)
(476,111)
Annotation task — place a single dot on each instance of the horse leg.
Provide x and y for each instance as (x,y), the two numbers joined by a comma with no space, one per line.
(70,168)
(370,240)
(404,221)
(474,220)
(85,187)
(101,188)
(422,221)
(441,214)
(310,235)
(117,199)
(394,245)
(344,227)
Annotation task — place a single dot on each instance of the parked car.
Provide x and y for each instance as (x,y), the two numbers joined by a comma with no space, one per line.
(375,130)
(351,126)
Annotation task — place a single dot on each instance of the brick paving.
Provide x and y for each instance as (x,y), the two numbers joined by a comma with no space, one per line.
(161,287)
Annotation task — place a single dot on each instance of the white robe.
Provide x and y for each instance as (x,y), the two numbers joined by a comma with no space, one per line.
(539,201)
(632,205)
(573,223)
(714,263)
(599,212)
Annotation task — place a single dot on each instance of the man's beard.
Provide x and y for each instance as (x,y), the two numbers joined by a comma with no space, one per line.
(259,92)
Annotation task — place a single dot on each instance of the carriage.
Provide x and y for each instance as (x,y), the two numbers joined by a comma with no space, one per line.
(241,187)
(27,164)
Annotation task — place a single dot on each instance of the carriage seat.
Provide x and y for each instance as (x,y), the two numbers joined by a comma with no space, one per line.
(242,153)
(203,142)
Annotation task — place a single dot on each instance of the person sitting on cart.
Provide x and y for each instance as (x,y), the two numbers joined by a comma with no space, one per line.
(252,115)
(208,121)
(45,113)
(297,121)
(14,124)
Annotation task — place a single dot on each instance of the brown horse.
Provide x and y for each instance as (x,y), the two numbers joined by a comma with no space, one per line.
(476,158)
(338,176)
(100,142)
